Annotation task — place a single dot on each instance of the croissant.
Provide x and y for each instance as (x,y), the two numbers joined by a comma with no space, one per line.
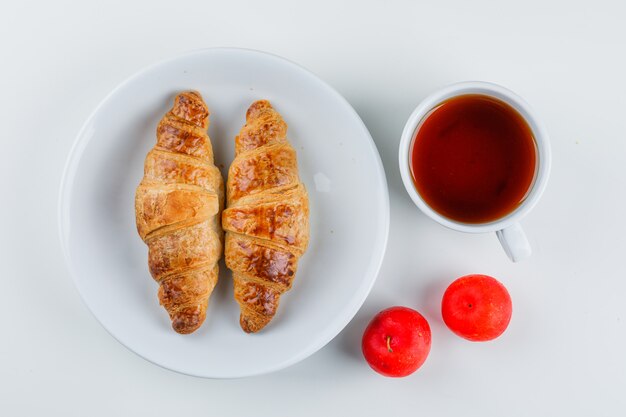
(267,216)
(177,208)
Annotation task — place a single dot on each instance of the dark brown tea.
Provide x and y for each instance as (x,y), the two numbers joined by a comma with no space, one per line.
(473,159)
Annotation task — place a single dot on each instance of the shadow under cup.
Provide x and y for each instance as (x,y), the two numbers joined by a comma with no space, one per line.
(473,159)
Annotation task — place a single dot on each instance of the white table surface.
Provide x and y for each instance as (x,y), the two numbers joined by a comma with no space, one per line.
(565,350)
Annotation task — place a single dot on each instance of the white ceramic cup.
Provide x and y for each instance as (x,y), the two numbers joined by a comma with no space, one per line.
(507,228)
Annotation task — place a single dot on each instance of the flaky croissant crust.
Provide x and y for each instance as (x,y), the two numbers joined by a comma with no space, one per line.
(177,208)
(267,219)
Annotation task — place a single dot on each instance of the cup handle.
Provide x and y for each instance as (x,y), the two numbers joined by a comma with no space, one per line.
(514,242)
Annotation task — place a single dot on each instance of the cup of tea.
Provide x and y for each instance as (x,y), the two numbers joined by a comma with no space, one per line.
(475,158)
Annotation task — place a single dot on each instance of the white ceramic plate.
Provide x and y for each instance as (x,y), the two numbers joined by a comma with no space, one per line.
(338,163)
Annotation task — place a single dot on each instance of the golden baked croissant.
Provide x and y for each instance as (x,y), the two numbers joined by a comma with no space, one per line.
(177,205)
(267,217)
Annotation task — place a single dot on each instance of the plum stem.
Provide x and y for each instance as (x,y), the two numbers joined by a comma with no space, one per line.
(389,344)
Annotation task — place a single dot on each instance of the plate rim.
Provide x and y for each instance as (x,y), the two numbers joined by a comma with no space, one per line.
(80,143)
